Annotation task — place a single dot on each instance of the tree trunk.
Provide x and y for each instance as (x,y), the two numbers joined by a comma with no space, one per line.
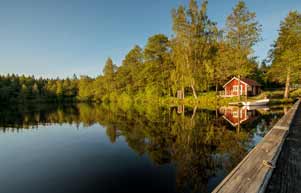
(287,85)
(216,89)
(194,112)
(192,121)
(193,91)
(183,92)
(239,97)
(238,126)
(246,88)
(285,110)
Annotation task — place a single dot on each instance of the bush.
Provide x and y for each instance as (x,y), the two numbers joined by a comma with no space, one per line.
(296,93)
(105,98)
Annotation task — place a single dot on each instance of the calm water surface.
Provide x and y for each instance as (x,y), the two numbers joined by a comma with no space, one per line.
(110,149)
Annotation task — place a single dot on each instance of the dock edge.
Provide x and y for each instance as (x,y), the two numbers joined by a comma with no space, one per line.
(254,177)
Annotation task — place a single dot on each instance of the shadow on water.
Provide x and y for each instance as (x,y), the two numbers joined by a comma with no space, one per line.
(203,145)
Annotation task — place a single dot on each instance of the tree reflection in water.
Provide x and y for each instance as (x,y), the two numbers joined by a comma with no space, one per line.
(201,143)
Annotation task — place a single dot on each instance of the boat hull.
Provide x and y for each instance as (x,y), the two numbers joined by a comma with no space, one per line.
(256,103)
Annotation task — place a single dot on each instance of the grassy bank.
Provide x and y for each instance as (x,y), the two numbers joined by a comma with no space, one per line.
(207,100)
(276,97)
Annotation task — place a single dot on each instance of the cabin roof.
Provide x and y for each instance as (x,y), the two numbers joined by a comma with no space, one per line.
(247,81)
(250,82)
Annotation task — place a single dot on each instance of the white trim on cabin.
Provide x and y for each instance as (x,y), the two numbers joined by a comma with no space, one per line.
(234,125)
(237,80)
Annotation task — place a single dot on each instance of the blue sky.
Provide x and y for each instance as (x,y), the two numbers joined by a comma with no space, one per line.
(61,37)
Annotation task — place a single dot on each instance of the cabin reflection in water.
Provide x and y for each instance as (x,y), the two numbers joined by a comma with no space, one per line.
(240,115)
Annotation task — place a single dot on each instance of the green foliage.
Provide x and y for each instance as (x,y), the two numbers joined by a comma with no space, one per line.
(109,76)
(243,31)
(191,46)
(157,65)
(85,90)
(128,73)
(285,55)
(296,93)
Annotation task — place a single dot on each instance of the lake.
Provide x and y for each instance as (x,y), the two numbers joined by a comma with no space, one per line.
(113,149)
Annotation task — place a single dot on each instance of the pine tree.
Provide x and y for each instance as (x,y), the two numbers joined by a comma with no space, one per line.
(35,90)
(157,64)
(285,54)
(243,32)
(109,75)
(128,72)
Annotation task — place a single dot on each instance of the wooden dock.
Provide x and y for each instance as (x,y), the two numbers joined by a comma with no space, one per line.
(287,175)
(252,174)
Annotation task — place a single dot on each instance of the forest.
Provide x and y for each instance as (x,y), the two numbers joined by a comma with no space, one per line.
(198,58)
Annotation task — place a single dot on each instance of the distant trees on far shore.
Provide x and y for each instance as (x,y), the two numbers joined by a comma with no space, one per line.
(14,88)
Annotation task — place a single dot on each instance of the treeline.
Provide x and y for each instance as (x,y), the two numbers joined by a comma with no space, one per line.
(14,88)
(199,57)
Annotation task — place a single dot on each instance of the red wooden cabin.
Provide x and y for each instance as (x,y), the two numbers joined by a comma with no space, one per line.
(248,87)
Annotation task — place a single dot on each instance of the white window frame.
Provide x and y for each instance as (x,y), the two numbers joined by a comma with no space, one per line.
(235,88)
(235,113)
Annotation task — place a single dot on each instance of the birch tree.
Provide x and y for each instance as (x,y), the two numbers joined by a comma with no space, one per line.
(192,29)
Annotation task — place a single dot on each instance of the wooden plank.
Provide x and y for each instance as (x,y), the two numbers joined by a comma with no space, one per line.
(287,175)
(251,175)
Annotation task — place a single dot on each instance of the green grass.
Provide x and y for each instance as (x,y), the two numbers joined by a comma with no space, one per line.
(276,97)
(204,100)
(210,100)
(207,100)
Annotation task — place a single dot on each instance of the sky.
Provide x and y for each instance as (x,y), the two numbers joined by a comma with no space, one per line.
(59,38)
